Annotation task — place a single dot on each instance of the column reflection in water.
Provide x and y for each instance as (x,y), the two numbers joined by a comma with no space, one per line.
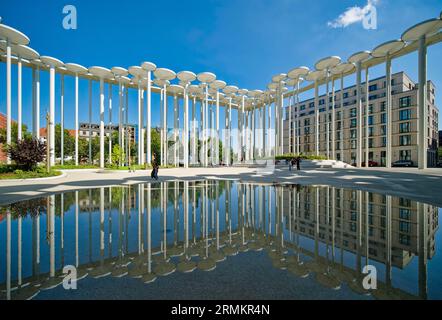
(324,233)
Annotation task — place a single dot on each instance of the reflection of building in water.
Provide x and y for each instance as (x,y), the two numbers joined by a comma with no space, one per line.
(192,226)
(352,224)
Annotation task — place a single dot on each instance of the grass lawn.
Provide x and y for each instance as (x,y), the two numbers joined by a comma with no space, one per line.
(19,174)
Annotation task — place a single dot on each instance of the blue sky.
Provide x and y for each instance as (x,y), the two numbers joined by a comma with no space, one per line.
(243,42)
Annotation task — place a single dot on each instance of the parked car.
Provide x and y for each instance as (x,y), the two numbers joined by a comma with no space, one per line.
(439,164)
(370,164)
(403,163)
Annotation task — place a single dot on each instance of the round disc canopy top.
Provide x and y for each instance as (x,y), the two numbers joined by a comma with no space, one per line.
(343,68)
(148,66)
(230,89)
(315,75)
(164,74)
(14,36)
(425,28)
(75,68)
(273,86)
(119,71)
(194,89)
(298,72)
(206,77)
(279,77)
(243,92)
(175,89)
(137,71)
(186,76)
(292,82)
(218,84)
(25,52)
(388,48)
(359,56)
(161,83)
(50,61)
(327,63)
(101,72)
(125,79)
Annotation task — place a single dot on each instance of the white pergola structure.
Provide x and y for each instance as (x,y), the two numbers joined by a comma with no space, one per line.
(340,70)
(251,105)
(11,36)
(217,85)
(386,50)
(164,76)
(297,76)
(316,76)
(420,33)
(77,70)
(149,67)
(51,63)
(102,74)
(230,92)
(205,79)
(176,91)
(186,78)
(357,59)
(326,65)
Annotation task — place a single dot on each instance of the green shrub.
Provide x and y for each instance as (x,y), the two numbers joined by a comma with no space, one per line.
(303,156)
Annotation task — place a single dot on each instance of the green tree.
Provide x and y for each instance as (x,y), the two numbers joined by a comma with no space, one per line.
(14,133)
(68,143)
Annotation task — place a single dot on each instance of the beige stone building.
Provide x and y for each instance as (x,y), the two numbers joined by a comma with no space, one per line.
(404,123)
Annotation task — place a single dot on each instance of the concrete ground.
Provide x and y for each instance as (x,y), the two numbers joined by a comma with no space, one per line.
(424,186)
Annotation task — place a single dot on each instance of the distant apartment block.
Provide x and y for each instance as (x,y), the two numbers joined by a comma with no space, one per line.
(404,122)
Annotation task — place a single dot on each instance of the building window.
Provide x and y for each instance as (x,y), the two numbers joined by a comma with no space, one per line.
(373,87)
(383,130)
(383,118)
(405,140)
(404,239)
(370,120)
(404,214)
(405,114)
(370,143)
(353,134)
(383,106)
(321,102)
(353,144)
(383,141)
(405,155)
(353,113)
(353,123)
(370,131)
(405,102)
(404,127)
(345,95)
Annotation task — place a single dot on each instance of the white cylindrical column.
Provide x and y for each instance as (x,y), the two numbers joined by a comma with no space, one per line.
(217,129)
(8,96)
(367,115)
(62,119)
(422,111)
(19,99)
(76,119)
(333,123)
(101,123)
(149,118)
(52,115)
(316,118)
(36,116)
(110,123)
(359,113)
(388,157)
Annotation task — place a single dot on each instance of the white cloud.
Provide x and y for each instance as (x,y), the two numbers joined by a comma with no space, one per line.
(352,15)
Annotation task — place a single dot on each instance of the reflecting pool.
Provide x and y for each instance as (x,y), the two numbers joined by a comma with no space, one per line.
(220,240)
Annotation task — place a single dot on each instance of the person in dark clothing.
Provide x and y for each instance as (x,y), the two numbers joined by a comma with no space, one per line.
(298,163)
(154,173)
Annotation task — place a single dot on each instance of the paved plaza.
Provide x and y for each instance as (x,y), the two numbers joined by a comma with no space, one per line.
(420,185)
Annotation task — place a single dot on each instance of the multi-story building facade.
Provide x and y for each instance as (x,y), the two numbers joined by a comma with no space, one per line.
(404,123)
(95,130)
(364,222)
